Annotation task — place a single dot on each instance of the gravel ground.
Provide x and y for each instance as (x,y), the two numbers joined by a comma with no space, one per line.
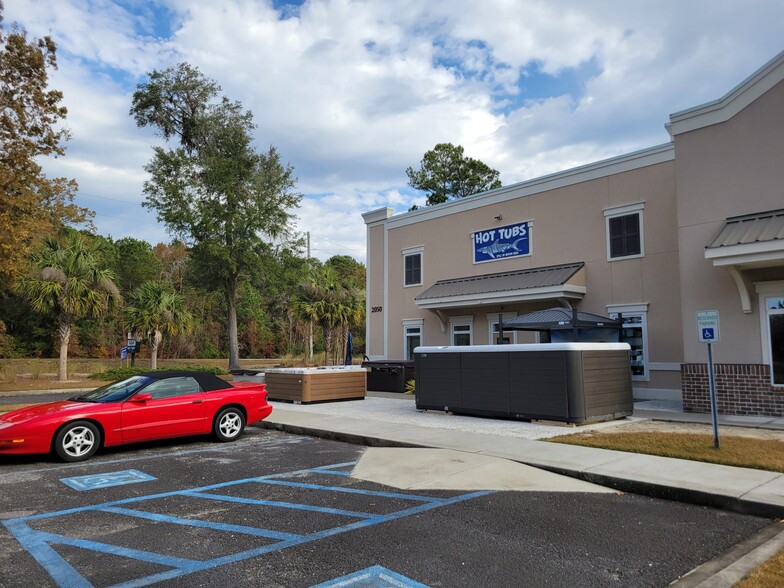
(403,410)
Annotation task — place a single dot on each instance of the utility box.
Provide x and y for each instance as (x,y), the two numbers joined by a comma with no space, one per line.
(568,382)
(388,376)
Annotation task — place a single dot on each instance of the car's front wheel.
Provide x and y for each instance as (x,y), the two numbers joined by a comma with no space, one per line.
(77,441)
(229,424)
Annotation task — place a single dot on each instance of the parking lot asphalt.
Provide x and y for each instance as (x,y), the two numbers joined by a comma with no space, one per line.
(275,509)
(397,423)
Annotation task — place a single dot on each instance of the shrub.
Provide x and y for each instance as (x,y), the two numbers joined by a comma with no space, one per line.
(122,373)
(410,387)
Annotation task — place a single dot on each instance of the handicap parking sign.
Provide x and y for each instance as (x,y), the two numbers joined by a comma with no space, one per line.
(708,326)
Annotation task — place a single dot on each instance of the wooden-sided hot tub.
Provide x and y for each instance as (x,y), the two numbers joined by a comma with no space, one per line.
(319,384)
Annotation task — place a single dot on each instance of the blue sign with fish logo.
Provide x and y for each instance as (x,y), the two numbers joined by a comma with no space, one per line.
(502,242)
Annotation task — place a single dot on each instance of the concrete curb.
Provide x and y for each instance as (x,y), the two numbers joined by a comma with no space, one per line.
(686,495)
(643,488)
(731,567)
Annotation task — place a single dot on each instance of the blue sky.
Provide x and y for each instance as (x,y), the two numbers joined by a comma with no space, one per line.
(352,92)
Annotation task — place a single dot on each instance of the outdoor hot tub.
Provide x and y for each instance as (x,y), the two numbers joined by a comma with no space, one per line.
(568,382)
(316,384)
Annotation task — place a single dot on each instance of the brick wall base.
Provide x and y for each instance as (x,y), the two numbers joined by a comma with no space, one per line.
(741,389)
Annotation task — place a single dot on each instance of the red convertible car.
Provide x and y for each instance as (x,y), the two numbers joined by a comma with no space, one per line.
(153,405)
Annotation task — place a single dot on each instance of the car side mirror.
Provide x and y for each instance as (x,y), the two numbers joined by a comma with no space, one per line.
(141,398)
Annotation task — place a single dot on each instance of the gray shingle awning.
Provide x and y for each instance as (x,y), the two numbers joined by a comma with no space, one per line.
(541,283)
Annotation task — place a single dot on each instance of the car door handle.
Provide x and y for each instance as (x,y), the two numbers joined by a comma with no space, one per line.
(197,401)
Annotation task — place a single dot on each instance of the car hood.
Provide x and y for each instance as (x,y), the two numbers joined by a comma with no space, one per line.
(29,413)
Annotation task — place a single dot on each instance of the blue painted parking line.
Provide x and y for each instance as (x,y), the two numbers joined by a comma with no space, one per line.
(373,577)
(106,480)
(332,472)
(347,490)
(40,543)
(152,516)
(277,504)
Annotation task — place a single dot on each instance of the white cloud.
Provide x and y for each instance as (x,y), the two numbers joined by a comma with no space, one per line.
(353,92)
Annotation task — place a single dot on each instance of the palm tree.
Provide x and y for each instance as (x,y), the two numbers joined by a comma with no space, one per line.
(155,310)
(324,300)
(354,313)
(68,277)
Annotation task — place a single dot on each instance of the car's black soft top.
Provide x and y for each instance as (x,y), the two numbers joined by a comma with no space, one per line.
(206,380)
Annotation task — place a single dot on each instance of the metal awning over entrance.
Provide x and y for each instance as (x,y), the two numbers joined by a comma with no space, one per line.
(564,281)
(748,242)
(752,240)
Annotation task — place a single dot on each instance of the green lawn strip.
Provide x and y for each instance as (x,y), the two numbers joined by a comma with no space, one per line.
(746,452)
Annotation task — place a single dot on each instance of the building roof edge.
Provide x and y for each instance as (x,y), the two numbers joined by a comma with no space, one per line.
(738,98)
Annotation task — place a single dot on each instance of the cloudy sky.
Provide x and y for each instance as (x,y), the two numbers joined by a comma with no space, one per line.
(352,92)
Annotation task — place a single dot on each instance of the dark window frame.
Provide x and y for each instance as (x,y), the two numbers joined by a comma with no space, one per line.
(412,276)
(624,235)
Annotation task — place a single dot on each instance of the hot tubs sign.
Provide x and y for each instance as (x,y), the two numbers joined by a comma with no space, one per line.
(501,242)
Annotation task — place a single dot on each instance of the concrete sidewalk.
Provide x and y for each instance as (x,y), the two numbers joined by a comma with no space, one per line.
(741,490)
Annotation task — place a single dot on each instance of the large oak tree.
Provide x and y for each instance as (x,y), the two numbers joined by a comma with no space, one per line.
(31,114)
(213,190)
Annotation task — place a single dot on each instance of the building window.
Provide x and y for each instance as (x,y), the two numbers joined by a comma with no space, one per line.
(412,266)
(771,301)
(775,312)
(462,330)
(635,333)
(412,337)
(624,231)
(494,335)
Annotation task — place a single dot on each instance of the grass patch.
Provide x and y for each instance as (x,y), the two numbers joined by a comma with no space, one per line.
(746,452)
(41,374)
(767,575)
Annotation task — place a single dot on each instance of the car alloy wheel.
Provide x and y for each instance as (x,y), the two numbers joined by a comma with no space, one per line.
(229,424)
(77,441)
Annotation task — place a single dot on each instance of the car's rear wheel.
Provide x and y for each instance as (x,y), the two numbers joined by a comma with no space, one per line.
(77,441)
(229,424)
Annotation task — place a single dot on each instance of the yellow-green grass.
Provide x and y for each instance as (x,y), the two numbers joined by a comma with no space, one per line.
(767,575)
(747,452)
(41,374)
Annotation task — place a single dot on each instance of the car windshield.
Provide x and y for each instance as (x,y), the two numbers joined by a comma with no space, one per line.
(116,392)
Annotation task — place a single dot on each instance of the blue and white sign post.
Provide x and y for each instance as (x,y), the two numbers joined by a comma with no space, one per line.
(708,333)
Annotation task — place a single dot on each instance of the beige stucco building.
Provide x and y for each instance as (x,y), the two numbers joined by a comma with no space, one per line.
(655,236)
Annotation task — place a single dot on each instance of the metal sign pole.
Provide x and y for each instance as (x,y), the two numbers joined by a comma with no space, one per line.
(713,399)
(708,332)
